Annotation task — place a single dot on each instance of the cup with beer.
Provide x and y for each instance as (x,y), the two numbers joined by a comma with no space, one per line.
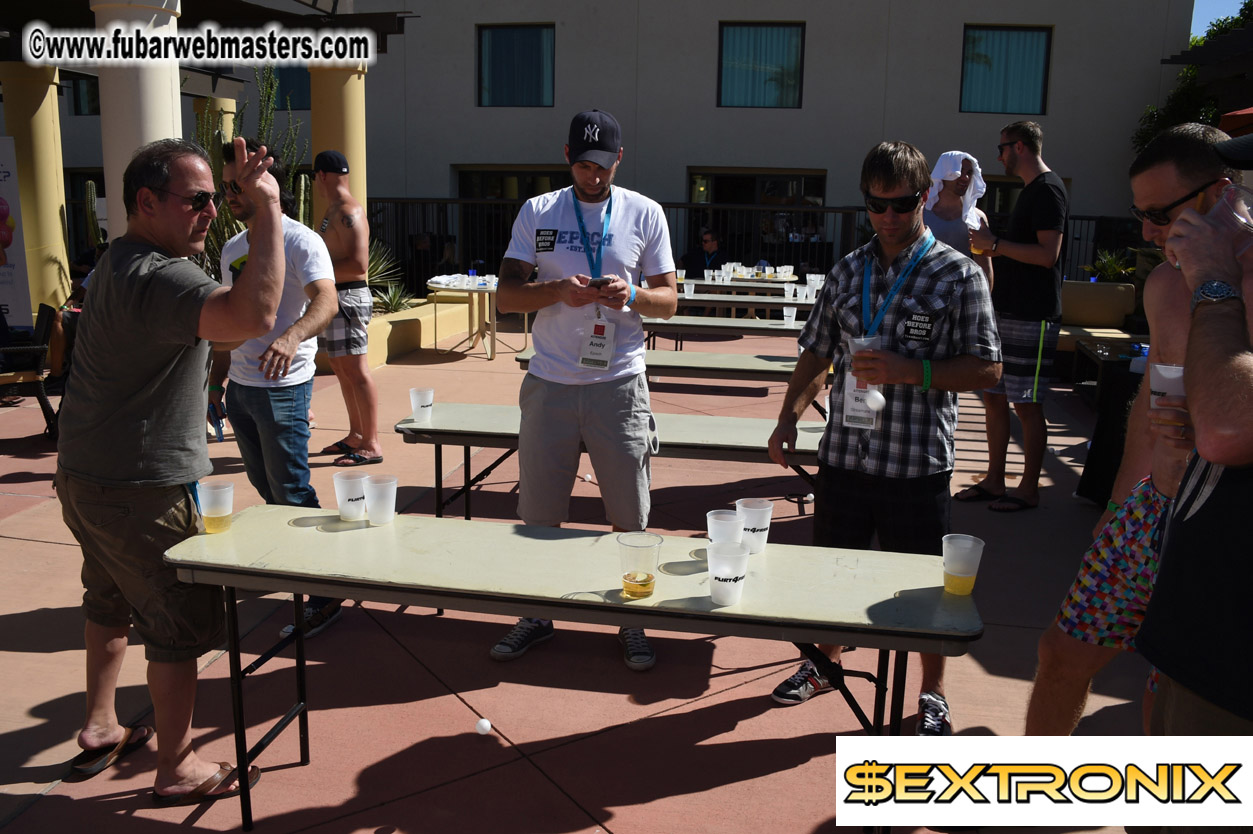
(637,553)
(216,500)
(961,562)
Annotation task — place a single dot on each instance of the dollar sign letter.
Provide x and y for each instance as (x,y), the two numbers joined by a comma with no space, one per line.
(871,778)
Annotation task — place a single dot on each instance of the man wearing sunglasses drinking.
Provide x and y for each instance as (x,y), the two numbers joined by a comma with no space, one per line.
(886,472)
(132,446)
(1101,614)
(1028,300)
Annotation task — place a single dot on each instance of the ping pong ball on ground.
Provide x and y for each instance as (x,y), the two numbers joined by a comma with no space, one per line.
(875,401)
(483,726)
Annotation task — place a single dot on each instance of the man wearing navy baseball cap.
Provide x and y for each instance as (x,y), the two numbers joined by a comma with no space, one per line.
(603,258)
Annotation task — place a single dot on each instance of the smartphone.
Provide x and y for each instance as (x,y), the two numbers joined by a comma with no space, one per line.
(598,283)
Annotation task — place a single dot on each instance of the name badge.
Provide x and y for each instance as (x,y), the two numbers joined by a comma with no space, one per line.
(597,351)
(857,414)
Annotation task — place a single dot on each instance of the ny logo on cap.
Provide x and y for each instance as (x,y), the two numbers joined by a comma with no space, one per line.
(591,133)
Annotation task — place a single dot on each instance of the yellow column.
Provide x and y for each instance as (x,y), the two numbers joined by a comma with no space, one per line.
(338,124)
(32,119)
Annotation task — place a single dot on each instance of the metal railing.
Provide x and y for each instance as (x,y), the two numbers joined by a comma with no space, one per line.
(810,238)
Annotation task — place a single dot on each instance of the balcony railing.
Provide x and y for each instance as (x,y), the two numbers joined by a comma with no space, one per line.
(811,239)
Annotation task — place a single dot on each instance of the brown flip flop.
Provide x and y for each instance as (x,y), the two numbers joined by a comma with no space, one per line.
(203,791)
(90,762)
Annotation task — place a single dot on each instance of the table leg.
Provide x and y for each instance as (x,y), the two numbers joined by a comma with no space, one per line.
(898,692)
(298,605)
(465,464)
(881,688)
(439,481)
(491,326)
(237,708)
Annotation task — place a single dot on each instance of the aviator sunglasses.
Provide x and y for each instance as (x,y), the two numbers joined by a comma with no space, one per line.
(1161,216)
(198,200)
(900,205)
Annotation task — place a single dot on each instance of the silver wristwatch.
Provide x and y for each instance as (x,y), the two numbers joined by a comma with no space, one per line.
(1213,291)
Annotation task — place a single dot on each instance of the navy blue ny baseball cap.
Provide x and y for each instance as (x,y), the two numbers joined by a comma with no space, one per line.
(595,137)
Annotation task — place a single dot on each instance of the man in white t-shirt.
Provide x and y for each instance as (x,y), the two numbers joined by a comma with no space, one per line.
(271,377)
(603,258)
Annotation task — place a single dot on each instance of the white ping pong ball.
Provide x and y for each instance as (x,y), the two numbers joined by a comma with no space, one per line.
(483,726)
(875,400)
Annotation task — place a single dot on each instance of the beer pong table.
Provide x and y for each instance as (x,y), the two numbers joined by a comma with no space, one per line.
(485,329)
(679,326)
(691,364)
(890,602)
(692,436)
(721,301)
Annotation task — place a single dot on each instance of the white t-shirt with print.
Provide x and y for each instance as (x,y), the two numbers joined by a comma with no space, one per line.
(307,260)
(637,245)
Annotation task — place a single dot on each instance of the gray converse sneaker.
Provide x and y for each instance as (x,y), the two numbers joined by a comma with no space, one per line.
(637,653)
(521,637)
(933,715)
(802,686)
(320,613)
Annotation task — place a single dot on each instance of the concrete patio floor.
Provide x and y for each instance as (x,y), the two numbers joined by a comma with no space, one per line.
(579,742)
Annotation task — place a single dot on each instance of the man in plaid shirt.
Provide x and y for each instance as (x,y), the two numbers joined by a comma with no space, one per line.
(887,456)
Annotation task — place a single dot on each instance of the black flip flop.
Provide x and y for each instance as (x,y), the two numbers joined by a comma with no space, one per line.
(979,494)
(90,762)
(1015,503)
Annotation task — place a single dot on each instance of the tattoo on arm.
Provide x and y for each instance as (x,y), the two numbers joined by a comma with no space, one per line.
(348,220)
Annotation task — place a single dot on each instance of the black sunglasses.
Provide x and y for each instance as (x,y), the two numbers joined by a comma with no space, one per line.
(232,186)
(1161,216)
(900,205)
(1002,146)
(198,200)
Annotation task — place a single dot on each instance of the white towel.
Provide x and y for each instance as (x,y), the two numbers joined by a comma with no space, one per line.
(949,167)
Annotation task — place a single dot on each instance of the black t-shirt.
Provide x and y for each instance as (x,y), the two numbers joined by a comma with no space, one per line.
(698,261)
(1027,291)
(1199,619)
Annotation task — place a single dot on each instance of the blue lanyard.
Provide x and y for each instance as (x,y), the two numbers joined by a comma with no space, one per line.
(593,265)
(709,258)
(872,327)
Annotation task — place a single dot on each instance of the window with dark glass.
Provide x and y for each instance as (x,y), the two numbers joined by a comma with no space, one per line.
(1005,69)
(293,88)
(516,66)
(86,96)
(760,64)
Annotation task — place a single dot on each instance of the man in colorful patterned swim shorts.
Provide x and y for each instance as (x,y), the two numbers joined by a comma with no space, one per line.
(1179,169)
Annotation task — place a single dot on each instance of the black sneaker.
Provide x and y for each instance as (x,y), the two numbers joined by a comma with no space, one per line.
(521,637)
(802,686)
(637,653)
(319,615)
(933,715)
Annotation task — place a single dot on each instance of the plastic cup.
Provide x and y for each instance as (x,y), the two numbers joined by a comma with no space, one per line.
(637,555)
(680,274)
(1233,213)
(709,274)
(422,401)
(728,567)
(380,498)
(350,495)
(961,562)
(1164,381)
(857,345)
(724,526)
(216,501)
(789,316)
(755,515)
(689,289)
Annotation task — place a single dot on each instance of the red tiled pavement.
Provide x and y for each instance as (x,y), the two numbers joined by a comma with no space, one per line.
(580,743)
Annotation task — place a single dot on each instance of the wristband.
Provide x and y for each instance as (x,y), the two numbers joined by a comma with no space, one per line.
(995,242)
(217,388)
(1112,505)
(631,297)
(926,374)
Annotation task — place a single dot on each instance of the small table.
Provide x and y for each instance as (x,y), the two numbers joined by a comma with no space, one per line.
(485,286)
(892,602)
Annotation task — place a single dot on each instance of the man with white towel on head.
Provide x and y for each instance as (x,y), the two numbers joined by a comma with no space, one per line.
(956,184)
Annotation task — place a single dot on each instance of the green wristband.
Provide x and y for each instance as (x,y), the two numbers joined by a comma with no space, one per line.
(217,388)
(1112,505)
(926,374)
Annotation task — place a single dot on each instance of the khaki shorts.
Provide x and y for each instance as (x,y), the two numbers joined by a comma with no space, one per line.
(611,420)
(124,533)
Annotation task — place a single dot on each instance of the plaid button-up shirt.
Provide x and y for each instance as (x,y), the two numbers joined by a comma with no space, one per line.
(943,310)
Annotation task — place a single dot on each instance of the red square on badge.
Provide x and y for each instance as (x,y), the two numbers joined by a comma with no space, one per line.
(598,329)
